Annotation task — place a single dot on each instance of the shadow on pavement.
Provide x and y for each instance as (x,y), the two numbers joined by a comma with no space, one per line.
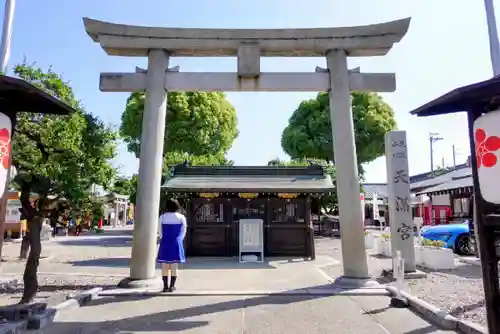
(172,320)
(426,330)
(191,264)
(376,311)
(104,241)
(465,270)
(114,262)
(182,318)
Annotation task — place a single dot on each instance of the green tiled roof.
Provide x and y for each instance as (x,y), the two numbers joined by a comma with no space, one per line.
(269,179)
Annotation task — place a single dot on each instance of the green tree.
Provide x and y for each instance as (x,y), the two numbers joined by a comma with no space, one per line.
(327,202)
(134,183)
(439,170)
(122,186)
(130,186)
(197,123)
(175,158)
(309,130)
(57,157)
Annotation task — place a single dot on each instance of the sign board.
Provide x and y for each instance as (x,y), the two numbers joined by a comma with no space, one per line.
(251,239)
(13,215)
(398,181)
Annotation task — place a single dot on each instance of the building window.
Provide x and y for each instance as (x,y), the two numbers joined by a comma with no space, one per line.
(248,210)
(461,207)
(414,211)
(209,213)
(286,212)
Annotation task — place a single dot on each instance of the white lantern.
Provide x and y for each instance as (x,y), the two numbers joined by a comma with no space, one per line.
(487,150)
(5,133)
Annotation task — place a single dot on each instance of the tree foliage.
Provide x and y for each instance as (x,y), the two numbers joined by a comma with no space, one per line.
(198,123)
(56,157)
(327,202)
(122,186)
(176,158)
(72,151)
(309,131)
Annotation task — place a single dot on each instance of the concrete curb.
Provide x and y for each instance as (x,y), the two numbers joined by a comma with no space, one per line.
(46,318)
(438,316)
(473,261)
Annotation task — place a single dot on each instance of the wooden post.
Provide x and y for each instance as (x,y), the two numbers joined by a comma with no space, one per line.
(3,208)
(310,229)
(189,218)
(487,249)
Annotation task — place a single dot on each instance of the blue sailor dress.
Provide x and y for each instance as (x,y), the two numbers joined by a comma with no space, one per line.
(173,227)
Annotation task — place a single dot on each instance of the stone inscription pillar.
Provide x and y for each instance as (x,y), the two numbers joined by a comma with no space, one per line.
(398,181)
(143,265)
(351,220)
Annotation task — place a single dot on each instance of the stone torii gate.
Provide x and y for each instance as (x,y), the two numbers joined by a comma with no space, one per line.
(248,45)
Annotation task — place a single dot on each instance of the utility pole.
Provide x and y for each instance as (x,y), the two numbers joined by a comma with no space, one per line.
(433,137)
(454,157)
(8,19)
(493,37)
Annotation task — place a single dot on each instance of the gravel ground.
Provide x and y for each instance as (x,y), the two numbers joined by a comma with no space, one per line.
(55,288)
(459,291)
(66,266)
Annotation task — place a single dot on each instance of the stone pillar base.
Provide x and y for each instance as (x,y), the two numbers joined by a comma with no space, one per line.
(345,282)
(149,284)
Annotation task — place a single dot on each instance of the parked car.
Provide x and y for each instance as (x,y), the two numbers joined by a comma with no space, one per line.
(456,236)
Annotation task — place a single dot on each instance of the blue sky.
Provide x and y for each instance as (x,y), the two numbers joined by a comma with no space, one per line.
(446,47)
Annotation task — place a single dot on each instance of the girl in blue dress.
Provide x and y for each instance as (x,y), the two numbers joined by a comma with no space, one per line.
(173,227)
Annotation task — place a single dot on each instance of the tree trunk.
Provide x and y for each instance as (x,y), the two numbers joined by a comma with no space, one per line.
(25,246)
(30,272)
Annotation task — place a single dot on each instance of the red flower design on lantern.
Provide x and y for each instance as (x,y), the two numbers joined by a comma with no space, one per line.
(484,147)
(4,147)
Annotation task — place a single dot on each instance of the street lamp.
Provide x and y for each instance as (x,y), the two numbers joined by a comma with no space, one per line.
(433,137)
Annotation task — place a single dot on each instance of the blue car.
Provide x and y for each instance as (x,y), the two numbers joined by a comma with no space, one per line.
(456,236)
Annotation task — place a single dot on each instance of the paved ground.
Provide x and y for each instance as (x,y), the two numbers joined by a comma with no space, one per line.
(78,263)
(226,314)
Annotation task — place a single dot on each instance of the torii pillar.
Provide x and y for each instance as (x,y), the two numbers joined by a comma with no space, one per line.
(248,45)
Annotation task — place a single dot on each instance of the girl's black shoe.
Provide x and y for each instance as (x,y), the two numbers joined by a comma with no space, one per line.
(165,284)
(173,279)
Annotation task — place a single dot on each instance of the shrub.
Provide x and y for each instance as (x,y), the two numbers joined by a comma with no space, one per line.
(434,243)
(386,236)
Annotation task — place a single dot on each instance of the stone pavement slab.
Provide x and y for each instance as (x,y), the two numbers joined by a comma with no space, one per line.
(201,274)
(240,314)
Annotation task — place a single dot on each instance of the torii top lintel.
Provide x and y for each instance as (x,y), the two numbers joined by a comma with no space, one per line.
(358,41)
